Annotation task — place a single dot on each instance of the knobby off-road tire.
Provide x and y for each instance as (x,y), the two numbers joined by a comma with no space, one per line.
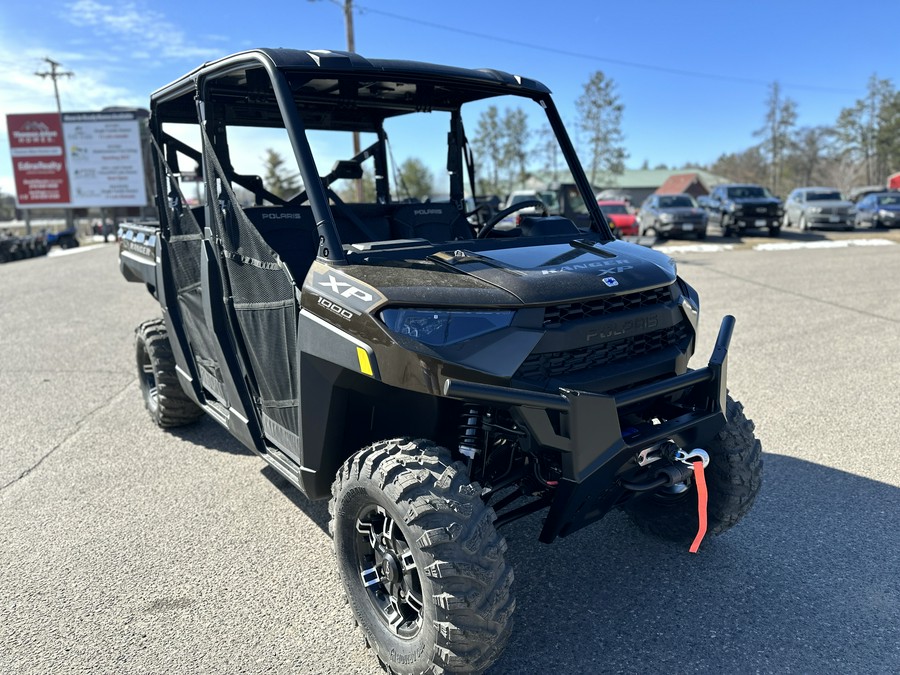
(166,401)
(421,563)
(733,479)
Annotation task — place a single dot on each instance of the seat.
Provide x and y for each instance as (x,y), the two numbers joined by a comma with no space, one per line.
(436,222)
(290,232)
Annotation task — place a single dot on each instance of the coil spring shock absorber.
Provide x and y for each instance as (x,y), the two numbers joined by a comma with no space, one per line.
(471,430)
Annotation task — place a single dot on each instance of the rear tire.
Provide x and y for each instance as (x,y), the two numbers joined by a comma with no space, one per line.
(164,398)
(419,558)
(733,479)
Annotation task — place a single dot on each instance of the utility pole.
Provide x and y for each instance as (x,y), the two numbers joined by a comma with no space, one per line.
(54,75)
(351,47)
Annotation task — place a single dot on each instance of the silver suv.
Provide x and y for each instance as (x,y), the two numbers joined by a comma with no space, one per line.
(811,207)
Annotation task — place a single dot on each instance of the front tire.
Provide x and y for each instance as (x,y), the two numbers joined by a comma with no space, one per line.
(164,398)
(419,558)
(733,479)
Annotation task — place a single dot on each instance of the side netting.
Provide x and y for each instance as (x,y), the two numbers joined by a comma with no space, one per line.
(263,299)
(184,243)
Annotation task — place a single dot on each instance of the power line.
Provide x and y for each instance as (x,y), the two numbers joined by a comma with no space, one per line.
(601,59)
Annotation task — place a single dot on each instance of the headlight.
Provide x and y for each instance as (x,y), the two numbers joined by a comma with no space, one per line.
(814,209)
(666,217)
(732,206)
(442,326)
(884,213)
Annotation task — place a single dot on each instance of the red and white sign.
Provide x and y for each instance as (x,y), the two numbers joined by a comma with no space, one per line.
(39,161)
(79,159)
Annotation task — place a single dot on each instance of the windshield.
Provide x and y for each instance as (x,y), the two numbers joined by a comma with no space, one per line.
(456,144)
(889,200)
(677,201)
(617,209)
(823,196)
(748,192)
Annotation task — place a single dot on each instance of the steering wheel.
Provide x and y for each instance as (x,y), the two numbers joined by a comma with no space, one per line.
(489,225)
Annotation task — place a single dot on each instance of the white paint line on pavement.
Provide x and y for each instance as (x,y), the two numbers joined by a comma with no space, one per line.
(795,245)
(695,248)
(57,252)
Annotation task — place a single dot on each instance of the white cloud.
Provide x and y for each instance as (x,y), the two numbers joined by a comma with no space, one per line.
(136,25)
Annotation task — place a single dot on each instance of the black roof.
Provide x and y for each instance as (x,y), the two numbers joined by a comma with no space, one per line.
(329,61)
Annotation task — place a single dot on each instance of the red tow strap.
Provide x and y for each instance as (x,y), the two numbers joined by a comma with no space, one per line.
(700,479)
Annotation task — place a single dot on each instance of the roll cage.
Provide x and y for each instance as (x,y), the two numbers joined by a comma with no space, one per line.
(337,91)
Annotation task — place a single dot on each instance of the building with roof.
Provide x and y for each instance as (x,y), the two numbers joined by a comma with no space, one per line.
(639,184)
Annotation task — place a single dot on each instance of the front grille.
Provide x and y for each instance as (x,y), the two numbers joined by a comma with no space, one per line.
(575,311)
(541,367)
(834,211)
(759,210)
(690,218)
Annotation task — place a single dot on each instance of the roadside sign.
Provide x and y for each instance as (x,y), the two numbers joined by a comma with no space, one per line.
(39,163)
(77,159)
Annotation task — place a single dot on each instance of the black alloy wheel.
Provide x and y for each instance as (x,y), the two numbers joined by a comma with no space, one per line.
(420,561)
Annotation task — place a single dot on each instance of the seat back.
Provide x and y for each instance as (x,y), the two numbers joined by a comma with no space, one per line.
(436,222)
(290,232)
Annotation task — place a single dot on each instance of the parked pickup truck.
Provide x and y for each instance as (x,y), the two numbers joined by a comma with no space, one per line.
(739,207)
(434,377)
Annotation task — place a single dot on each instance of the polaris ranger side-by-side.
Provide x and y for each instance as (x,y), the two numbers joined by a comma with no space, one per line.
(434,376)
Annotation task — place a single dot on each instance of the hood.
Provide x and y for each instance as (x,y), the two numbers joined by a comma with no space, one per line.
(565,272)
(490,273)
(750,201)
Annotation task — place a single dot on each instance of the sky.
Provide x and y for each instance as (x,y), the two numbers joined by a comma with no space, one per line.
(693,76)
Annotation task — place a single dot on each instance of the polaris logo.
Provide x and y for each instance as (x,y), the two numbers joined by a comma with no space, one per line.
(282,216)
(427,212)
(621,329)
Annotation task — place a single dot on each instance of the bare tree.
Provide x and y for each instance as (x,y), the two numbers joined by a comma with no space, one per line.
(869,130)
(781,116)
(808,156)
(600,123)
(748,166)
(843,172)
(547,150)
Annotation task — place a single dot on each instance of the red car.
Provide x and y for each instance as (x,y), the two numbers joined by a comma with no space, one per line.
(617,212)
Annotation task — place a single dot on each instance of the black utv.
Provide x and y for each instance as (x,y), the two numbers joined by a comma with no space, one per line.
(435,377)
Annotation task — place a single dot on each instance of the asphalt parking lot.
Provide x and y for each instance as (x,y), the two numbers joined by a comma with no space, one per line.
(127,549)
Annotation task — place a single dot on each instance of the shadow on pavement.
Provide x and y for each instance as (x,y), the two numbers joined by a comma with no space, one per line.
(317,511)
(808,582)
(209,434)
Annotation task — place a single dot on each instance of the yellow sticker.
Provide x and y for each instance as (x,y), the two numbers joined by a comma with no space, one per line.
(365,366)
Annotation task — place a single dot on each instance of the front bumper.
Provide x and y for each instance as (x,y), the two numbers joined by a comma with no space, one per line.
(682,226)
(749,222)
(587,430)
(831,220)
